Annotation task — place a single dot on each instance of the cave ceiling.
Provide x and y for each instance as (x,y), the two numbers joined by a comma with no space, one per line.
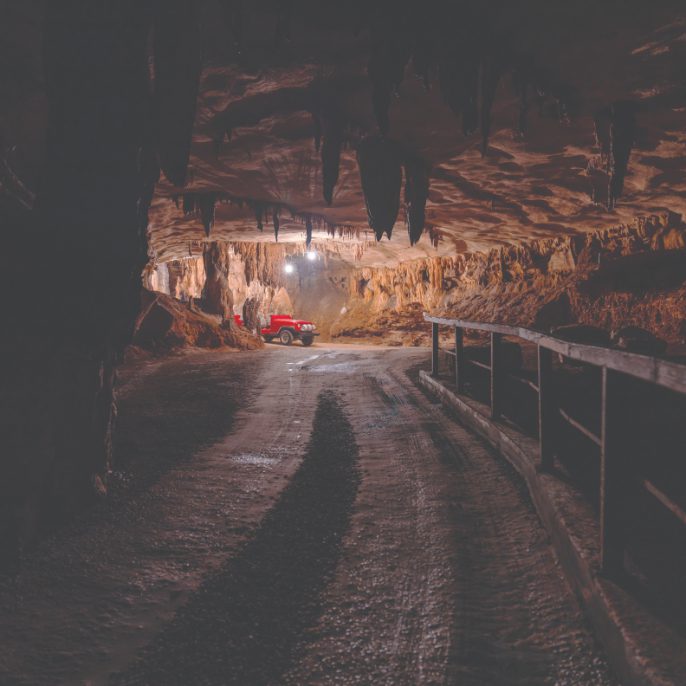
(513,120)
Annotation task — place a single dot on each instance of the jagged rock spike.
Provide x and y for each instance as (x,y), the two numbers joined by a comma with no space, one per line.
(188,203)
(259,215)
(378,159)
(390,52)
(275,220)
(416,195)
(331,160)
(492,67)
(178,61)
(207,209)
(622,135)
(614,128)
(317,122)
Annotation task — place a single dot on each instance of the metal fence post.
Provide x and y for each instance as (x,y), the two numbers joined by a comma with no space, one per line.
(496,376)
(459,359)
(548,426)
(434,349)
(611,478)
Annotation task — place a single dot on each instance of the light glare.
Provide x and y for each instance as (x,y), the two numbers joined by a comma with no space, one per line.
(311,255)
(289,268)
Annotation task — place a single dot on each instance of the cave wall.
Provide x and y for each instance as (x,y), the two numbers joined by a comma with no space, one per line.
(628,275)
(255,278)
(78,257)
(119,106)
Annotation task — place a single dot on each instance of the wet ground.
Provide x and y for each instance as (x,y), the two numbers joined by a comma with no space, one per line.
(296,516)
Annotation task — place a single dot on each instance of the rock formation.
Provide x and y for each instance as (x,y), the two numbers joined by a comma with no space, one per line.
(164,324)
(613,278)
(216,294)
(379,160)
(118,107)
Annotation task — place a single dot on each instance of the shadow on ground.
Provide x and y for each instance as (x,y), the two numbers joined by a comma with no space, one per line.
(244,624)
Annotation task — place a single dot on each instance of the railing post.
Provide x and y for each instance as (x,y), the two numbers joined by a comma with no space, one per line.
(496,376)
(548,426)
(459,359)
(434,349)
(611,478)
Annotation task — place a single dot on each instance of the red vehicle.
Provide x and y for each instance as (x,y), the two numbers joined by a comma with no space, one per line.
(287,330)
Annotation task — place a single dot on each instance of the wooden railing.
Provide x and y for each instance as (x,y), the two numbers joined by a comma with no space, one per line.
(615,366)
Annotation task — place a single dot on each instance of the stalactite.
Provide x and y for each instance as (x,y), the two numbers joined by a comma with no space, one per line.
(379,161)
(458,69)
(259,216)
(622,134)
(329,132)
(614,131)
(308,231)
(188,203)
(416,195)
(317,126)
(178,59)
(206,203)
(192,203)
(390,52)
(275,220)
(331,156)
(492,68)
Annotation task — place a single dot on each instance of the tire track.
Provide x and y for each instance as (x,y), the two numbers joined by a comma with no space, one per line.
(244,623)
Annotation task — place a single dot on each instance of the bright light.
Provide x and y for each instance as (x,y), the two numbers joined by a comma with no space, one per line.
(289,268)
(311,255)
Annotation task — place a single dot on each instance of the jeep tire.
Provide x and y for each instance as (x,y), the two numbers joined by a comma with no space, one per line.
(307,340)
(286,336)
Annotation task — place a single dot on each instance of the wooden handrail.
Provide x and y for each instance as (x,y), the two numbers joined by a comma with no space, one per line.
(580,427)
(671,375)
(612,441)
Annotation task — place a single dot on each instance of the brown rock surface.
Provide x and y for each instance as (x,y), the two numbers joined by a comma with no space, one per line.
(165,324)
(544,161)
(611,279)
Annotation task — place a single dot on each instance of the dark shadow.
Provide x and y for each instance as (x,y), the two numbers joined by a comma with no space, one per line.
(656,443)
(172,414)
(243,625)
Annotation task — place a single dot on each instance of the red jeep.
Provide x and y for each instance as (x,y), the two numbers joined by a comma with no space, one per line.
(287,329)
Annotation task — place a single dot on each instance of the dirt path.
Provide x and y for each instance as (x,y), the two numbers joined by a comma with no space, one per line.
(311,519)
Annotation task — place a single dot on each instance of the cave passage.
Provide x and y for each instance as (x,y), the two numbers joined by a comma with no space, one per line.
(227,224)
(339,527)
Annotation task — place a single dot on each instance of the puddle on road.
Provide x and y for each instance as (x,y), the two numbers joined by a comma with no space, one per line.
(299,363)
(253,458)
(326,363)
(336,368)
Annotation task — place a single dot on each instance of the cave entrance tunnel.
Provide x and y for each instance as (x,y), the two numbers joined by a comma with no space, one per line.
(174,173)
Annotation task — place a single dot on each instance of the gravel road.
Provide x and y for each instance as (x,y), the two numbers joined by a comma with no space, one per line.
(296,516)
